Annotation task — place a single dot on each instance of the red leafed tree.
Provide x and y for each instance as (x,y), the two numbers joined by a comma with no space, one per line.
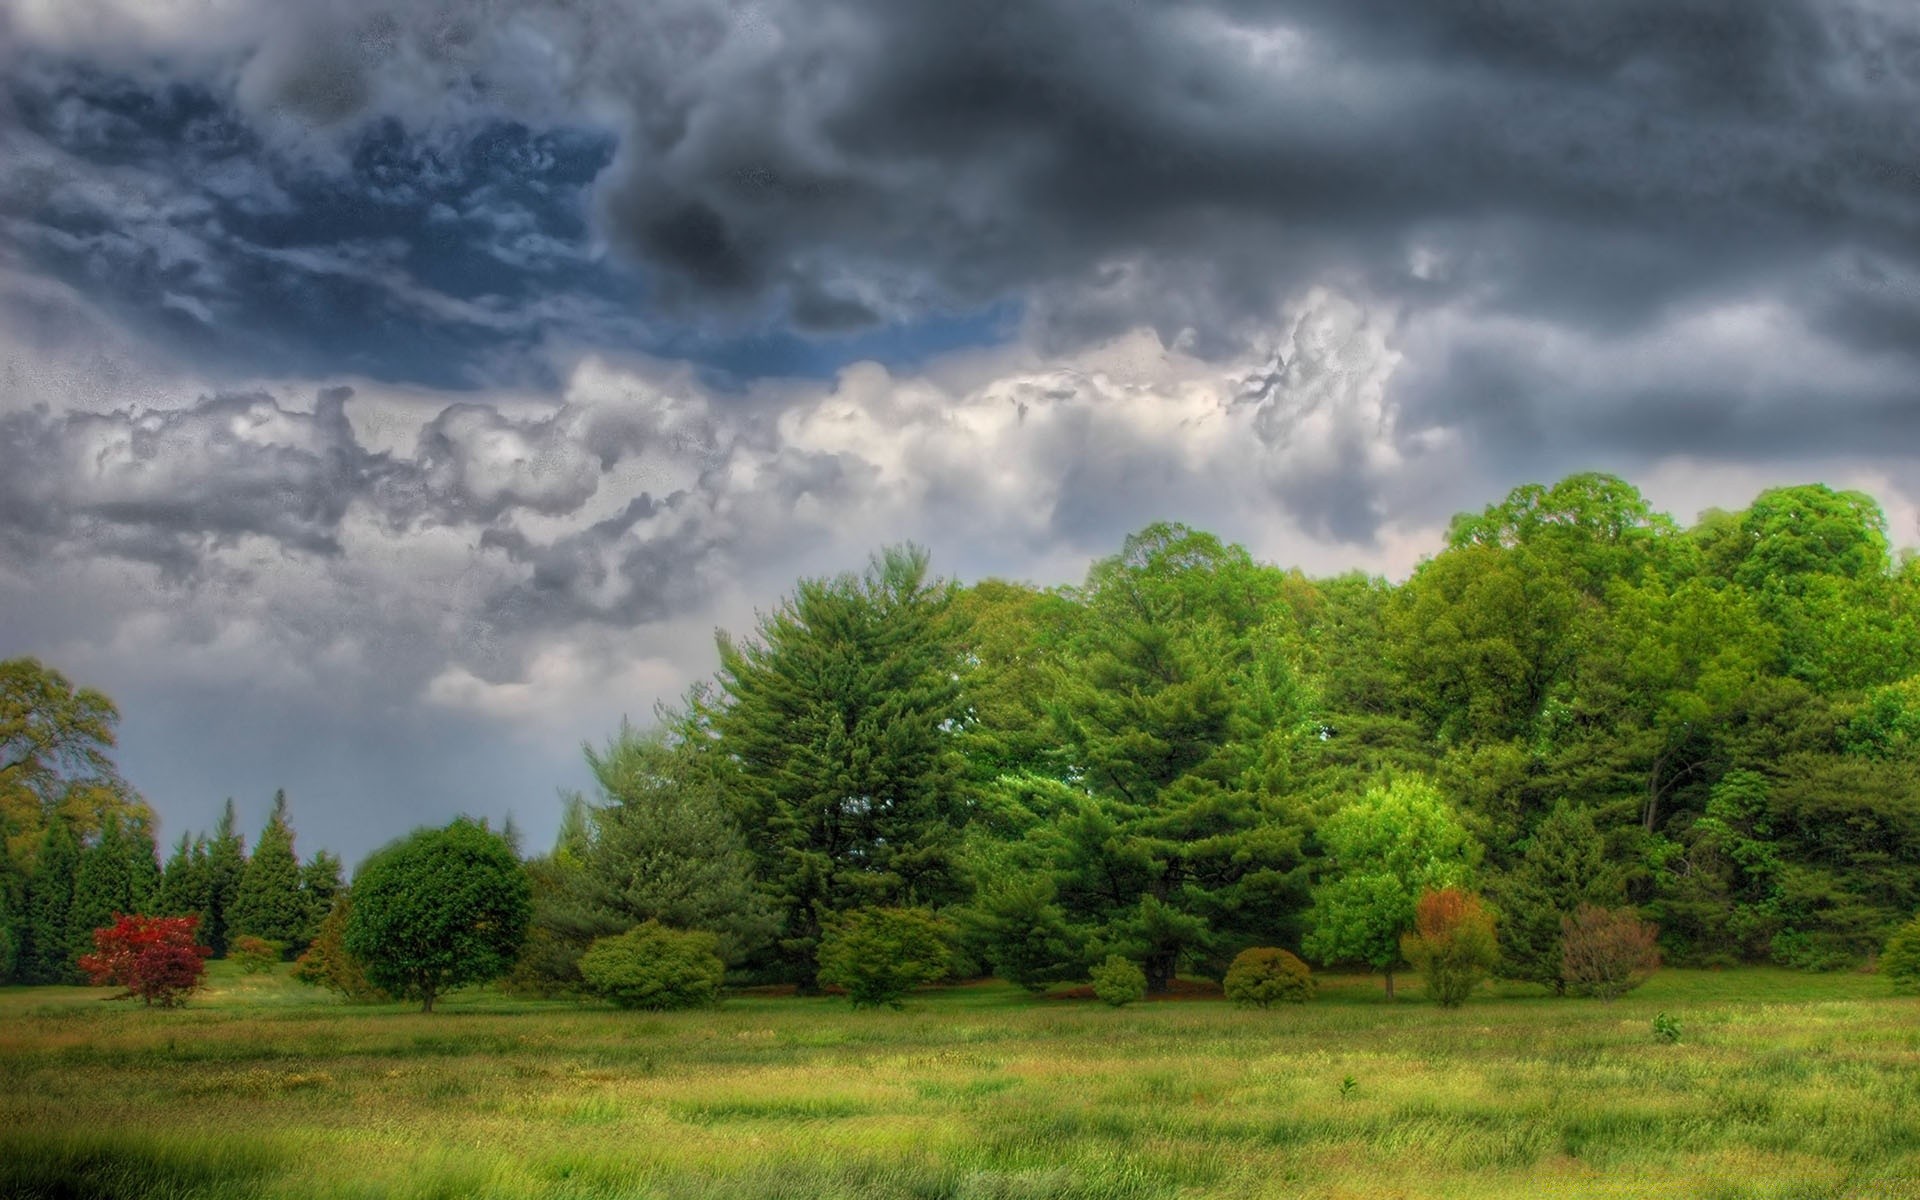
(154,958)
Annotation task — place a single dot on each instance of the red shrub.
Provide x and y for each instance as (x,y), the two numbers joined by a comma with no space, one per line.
(1607,952)
(154,958)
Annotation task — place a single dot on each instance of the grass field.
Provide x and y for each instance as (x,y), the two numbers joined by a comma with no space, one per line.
(1782,1085)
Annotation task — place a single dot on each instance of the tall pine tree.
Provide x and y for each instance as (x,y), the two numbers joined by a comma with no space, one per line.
(226,863)
(115,876)
(268,903)
(47,950)
(186,886)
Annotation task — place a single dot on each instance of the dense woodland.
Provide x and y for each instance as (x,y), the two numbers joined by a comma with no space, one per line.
(1577,701)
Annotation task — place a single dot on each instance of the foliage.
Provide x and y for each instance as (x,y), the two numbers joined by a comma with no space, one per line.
(226,865)
(653,967)
(268,903)
(838,724)
(1666,1030)
(154,958)
(50,731)
(880,954)
(1607,952)
(1029,941)
(438,909)
(1262,976)
(327,962)
(254,954)
(115,874)
(1900,961)
(1452,944)
(1383,850)
(46,950)
(1119,981)
(1565,864)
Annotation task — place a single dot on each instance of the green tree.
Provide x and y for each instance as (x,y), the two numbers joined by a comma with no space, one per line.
(1565,864)
(47,950)
(1382,851)
(1900,962)
(880,954)
(838,725)
(653,967)
(50,731)
(115,876)
(438,909)
(321,881)
(268,902)
(185,886)
(226,866)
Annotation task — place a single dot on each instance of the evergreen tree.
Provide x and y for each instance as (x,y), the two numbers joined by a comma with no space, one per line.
(186,887)
(840,723)
(268,903)
(321,880)
(112,879)
(226,863)
(1565,865)
(13,913)
(47,952)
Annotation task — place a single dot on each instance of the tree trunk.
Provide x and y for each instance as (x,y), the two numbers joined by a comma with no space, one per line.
(1159,972)
(426,999)
(1389,984)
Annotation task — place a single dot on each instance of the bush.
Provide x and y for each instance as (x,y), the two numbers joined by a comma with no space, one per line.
(326,962)
(651,966)
(1119,981)
(254,954)
(1262,976)
(880,954)
(1607,952)
(1900,962)
(154,958)
(1452,944)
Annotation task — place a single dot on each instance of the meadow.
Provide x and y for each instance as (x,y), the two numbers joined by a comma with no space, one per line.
(1781,1085)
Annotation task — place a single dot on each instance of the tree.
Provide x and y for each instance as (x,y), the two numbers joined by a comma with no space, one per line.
(185,886)
(268,903)
(1452,944)
(1119,981)
(116,874)
(880,954)
(47,948)
(837,726)
(50,731)
(653,967)
(327,963)
(438,909)
(226,865)
(1607,952)
(154,958)
(1382,851)
(1565,864)
(321,881)
(1900,962)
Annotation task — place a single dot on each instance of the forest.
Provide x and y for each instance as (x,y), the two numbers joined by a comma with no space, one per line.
(1578,701)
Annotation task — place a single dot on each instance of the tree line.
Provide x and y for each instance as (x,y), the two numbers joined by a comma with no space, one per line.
(1577,703)
(80,846)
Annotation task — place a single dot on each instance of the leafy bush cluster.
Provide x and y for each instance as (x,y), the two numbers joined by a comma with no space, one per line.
(1119,981)
(254,954)
(1900,962)
(1452,944)
(880,954)
(1607,952)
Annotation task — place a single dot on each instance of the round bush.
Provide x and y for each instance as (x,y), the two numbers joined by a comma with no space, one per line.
(653,967)
(1119,981)
(1900,963)
(1263,976)
(881,954)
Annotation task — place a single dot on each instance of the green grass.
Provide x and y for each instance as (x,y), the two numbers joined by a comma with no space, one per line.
(1782,1085)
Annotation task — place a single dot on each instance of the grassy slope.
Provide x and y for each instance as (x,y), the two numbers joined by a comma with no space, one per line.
(1783,1085)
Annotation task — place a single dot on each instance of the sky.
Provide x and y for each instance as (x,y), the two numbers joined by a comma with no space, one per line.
(395,395)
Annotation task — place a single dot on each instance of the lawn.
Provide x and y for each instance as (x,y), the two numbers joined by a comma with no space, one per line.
(1782,1085)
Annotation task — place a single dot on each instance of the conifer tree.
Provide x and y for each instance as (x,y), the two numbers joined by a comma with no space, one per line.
(320,881)
(13,911)
(186,886)
(268,903)
(226,863)
(48,947)
(1564,866)
(111,880)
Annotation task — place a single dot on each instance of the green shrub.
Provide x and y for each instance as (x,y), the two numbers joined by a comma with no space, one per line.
(1263,976)
(1900,962)
(1119,981)
(880,954)
(654,967)
(254,954)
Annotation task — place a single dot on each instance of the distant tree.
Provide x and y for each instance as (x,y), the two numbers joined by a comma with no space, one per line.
(880,954)
(1564,865)
(51,731)
(226,865)
(254,954)
(327,963)
(13,916)
(1900,962)
(268,903)
(47,949)
(1382,851)
(1607,952)
(438,909)
(653,967)
(154,958)
(1452,944)
(186,887)
(1027,937)
(114,875)
(1262,976)
(321,881)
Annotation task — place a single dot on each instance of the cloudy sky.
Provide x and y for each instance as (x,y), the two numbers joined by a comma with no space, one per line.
(394,393)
